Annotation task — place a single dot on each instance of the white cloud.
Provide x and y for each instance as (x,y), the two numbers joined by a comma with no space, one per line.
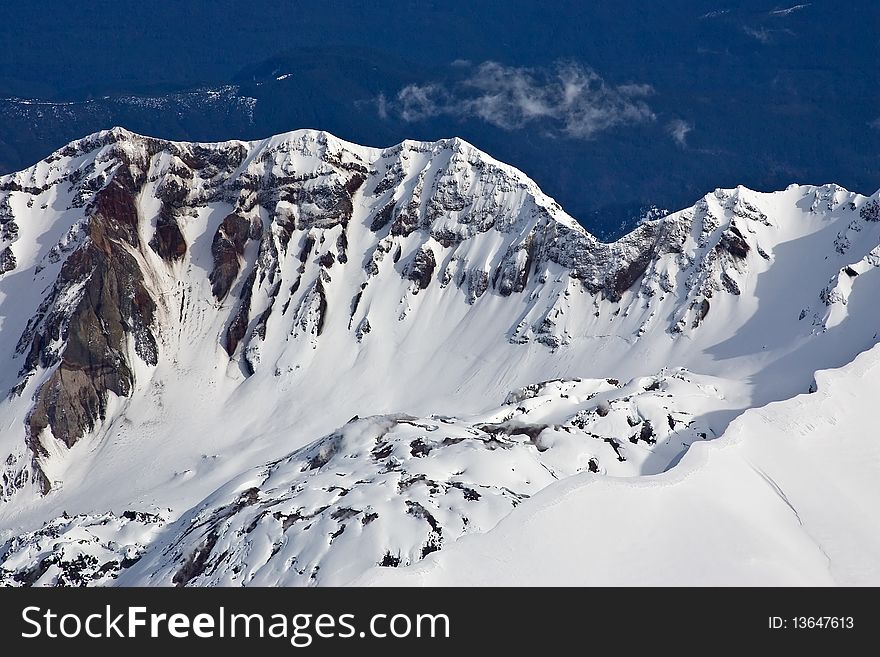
(569,98)
(382,106)
(875,123)
(715,14)
(789,11)
(678,130)
(417,103)
(761,34)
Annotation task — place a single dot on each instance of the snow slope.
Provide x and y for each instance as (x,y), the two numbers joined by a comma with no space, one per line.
(183,325)
(786,497)
(393,489)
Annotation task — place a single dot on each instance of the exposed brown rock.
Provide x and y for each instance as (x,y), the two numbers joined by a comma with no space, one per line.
(734,243)
(227,249)
(627,275)
(238,327)
(114,213)
(196,562)
(113,306)
(168,242)
(94,362)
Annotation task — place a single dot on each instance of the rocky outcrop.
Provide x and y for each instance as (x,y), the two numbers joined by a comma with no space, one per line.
(98,315)
(238,327)
(114,307)
(227,250)
(168,240)
(8,227)
(627,275)
(733,242)
(326,231)
(421,270)
(7,260)
(114,212)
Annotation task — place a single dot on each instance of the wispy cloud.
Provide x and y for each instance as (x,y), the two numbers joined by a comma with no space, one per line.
(678,130)
(714,14)
(790,10)
(875,123)
(382,106)
(568,98)
(761,34)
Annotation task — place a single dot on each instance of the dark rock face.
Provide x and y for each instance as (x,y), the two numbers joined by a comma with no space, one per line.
(239,325)
(327,260)
(627,275)
(8,227)
(168,241)
(702,311)
(112,306)
(196,562)
(734,243)
(729,284)
(94,362)
(421,270)
(331,200)
(406,222)
(227,248)
(7,260)
(322,306)
(363,329)
(477,283)
(383,218)
(306,249)
(342,245)
(116,213)
(647,433)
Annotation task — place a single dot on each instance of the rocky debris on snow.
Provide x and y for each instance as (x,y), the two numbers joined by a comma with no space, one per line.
(81,550)
(390,490)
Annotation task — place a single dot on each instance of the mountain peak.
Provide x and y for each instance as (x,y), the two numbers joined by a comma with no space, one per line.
(141,279)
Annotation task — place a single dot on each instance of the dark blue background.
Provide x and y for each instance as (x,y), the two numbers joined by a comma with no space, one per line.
(771,99)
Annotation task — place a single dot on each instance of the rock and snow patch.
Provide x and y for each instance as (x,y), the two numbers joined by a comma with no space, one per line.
(164,301)
(81,550)
(390,490)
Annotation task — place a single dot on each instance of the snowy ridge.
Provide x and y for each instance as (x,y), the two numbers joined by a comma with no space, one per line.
(390,490)
(176,316)
(785,498)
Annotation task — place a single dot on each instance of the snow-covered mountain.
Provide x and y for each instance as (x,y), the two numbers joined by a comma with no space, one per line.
(293,360)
